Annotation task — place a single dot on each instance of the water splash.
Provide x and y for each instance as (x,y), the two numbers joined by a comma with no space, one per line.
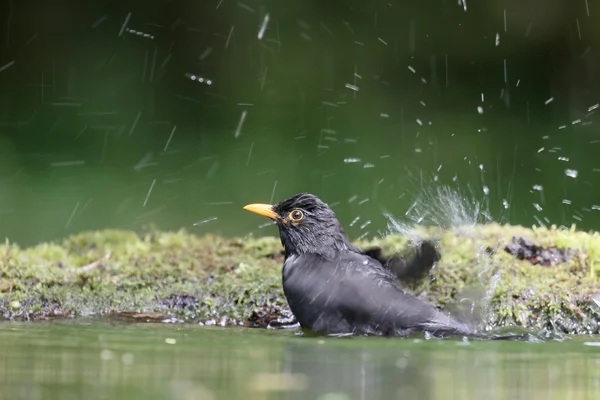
(451,209)
(444,207)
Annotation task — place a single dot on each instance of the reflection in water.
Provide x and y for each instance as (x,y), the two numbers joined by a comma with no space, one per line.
(108,361)
(343,371)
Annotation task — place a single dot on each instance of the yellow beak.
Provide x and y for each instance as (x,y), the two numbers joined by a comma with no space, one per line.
(266,210)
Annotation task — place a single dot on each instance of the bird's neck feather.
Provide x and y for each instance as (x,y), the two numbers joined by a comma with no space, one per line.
(322,244)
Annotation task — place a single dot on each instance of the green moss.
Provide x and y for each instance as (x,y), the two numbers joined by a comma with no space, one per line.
(178,275)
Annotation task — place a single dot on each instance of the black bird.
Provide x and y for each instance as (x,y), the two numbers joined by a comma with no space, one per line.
(333,287)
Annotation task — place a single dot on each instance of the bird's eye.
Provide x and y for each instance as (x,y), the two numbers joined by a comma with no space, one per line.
(296,215)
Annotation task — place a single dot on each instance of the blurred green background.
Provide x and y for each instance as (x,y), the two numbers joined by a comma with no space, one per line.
(370,105)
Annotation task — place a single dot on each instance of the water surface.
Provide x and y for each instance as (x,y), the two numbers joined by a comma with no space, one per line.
(105,360)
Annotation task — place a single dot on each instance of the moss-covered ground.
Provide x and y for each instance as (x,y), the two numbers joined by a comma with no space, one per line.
(181,277)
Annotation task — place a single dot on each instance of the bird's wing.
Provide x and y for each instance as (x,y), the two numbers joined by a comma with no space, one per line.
(426,255)
(355,288)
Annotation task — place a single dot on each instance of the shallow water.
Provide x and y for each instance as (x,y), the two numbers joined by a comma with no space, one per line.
(105,360)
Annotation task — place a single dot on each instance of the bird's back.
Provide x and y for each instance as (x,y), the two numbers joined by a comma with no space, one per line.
(349,292)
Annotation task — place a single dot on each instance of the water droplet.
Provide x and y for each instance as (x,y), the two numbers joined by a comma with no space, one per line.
(571,173)
(352,87)
(106,355)
(205,221)
(127,358)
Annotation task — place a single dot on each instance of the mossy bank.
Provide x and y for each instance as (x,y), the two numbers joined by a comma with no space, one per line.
(211,279)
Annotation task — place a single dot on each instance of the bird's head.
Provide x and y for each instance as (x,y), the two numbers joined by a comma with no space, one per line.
(306,225)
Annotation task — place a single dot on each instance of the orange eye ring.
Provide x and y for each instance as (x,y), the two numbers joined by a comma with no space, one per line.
(296,216)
